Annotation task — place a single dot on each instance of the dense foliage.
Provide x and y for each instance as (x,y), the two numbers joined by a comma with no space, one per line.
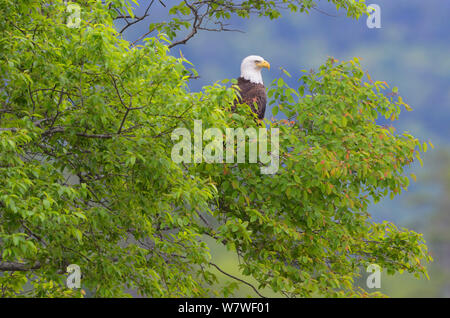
(87,178)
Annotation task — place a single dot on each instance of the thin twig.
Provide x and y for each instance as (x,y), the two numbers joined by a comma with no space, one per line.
(238,279)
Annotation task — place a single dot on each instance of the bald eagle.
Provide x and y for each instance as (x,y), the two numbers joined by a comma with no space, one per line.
(251,86)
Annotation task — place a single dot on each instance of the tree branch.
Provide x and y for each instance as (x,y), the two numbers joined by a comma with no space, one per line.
(238,279)
(18,267)
(137,19)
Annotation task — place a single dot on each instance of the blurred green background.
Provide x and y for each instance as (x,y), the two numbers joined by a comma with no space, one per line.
(411,51)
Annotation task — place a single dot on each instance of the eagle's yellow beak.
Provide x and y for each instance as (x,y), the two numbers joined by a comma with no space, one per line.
(263,64)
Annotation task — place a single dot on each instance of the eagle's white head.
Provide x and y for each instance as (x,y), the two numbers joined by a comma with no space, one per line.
(251,68)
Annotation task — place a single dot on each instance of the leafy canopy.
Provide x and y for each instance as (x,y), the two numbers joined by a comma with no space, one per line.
(86,175)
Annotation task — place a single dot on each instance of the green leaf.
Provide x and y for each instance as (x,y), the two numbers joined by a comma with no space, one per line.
(275,110)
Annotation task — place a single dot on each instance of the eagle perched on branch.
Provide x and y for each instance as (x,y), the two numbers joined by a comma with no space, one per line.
(251,86)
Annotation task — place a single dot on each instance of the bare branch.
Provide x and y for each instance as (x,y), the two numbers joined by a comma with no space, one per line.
(137,19)
(238,279)
(18,267)
(12,129)
(143,36)
(198,19)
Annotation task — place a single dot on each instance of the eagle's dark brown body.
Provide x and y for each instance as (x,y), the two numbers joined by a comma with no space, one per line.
(252,93)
